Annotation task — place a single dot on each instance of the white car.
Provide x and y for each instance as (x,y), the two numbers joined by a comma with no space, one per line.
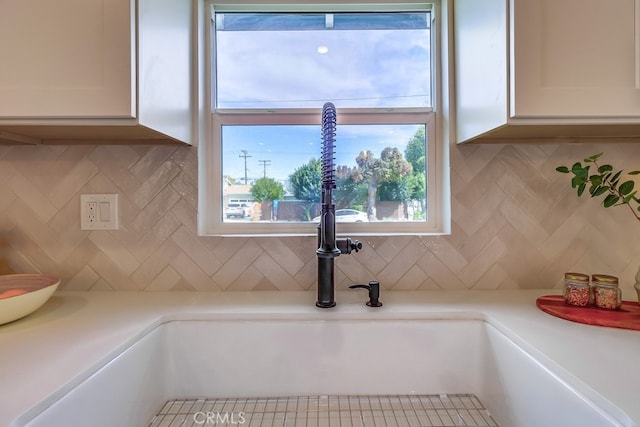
(347,215)
(239,210)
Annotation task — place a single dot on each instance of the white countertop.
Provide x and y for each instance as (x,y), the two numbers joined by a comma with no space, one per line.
(78,332)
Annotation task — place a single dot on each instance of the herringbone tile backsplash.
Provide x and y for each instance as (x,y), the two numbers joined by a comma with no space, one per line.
(516,224)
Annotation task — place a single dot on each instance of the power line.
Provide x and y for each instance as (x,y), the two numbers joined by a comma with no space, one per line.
(245,154)
(265,163)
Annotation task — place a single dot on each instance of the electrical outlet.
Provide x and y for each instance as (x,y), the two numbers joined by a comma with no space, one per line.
(92,207)
(98,211)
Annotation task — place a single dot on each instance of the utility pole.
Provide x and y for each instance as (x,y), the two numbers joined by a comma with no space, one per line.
(265,163)
(245,154)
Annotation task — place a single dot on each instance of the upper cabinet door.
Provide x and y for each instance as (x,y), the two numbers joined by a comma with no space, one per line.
(573,58)
(74,58)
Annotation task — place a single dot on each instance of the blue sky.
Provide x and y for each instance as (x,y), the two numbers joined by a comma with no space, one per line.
(305,68)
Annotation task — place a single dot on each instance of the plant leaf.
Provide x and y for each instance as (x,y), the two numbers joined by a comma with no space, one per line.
(581,188)
(616,176)
(634,172)
(577,181)
(562,169)
(610,200)
(581,171)
(605,168)
(596,179)
(601,190)
(593,158)
(626,187)
(630,197)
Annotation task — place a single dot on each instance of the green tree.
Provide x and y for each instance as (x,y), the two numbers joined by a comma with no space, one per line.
(306,181)
(349,193)
(265,189)
(416,186)
(394,190)
(415,153)
(390,167)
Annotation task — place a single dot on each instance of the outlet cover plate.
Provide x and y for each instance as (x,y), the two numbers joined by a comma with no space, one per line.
(98,211)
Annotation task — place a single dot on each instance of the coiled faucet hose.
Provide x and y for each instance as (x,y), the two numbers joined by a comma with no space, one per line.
(328,144)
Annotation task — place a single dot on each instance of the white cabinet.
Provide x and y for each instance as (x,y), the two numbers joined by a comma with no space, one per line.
(547,68)
(574,58)
(96,70)
(68,58)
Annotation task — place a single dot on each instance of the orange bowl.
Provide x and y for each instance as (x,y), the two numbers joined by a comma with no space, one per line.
(22,294)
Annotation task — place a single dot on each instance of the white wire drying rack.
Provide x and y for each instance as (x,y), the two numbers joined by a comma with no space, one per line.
(327,411)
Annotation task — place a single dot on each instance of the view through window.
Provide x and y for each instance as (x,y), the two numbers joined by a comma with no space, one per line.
(275,171)
(272,74)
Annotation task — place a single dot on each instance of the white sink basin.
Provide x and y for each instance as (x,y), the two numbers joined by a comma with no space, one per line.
(252,356)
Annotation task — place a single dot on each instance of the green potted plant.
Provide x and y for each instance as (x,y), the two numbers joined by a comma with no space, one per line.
(601,180)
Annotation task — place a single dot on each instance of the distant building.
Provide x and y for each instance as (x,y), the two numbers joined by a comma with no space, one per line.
(237,193)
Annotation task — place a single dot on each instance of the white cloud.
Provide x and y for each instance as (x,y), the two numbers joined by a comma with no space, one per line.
(284,66)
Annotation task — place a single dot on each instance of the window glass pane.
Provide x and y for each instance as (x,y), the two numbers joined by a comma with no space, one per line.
(272,173)
(355,60)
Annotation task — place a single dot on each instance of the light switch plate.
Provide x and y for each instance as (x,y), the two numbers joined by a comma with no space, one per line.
(98,211)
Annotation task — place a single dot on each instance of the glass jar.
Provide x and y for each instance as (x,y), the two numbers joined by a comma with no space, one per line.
(606,293)
(577,290)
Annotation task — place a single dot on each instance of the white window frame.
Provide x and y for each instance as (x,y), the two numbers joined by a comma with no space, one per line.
(210,205)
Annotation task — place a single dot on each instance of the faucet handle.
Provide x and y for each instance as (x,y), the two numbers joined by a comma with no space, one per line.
(347,245)
(374,293)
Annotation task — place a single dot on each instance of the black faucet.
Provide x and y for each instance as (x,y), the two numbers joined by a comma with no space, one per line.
(326,278)
(328,246)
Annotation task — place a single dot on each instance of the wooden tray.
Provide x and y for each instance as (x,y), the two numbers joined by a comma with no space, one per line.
(627,317)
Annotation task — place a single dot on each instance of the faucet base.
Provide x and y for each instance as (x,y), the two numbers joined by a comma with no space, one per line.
(325,304)
(326,288)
